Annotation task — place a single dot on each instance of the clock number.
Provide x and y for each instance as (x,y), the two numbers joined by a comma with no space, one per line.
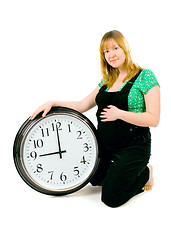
(57,125)
(79,135)
(63,177)
(45,133)
(83,160)
(51,175)
(38,143)
(53,127)
(69,127)
(39,168)
(76,171)
(86,147)
(33,154)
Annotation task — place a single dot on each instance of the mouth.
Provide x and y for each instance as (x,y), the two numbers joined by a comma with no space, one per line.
(114,60)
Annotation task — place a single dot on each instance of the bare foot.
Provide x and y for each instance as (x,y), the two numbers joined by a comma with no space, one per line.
(148,186)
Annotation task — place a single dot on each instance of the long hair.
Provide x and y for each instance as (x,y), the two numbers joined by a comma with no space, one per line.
(109,73)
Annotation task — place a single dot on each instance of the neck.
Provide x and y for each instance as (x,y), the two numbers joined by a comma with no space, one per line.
(122,70)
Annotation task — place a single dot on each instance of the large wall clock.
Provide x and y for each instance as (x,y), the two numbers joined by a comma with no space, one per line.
(58,154)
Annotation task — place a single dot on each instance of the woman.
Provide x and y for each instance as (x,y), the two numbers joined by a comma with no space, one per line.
(128,100)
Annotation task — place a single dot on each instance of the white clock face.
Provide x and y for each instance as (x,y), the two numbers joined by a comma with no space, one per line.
(59,152)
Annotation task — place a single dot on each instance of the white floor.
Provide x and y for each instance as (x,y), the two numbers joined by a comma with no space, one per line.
(27,214)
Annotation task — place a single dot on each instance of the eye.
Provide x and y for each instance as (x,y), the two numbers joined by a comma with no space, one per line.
(106,51)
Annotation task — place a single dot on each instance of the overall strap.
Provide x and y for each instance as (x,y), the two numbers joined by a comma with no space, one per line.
(135,77)
(103,88)
(129,84)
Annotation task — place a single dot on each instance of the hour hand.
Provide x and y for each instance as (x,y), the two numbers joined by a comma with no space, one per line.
(47,154)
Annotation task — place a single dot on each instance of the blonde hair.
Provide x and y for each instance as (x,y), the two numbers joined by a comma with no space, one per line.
(109,73)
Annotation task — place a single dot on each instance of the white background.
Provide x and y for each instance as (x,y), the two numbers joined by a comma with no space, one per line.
(50,50)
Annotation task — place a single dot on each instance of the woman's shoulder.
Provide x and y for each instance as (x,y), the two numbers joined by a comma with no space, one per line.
(146,80)
(147,73)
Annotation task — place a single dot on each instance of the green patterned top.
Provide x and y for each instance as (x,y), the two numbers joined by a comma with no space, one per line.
(144,82)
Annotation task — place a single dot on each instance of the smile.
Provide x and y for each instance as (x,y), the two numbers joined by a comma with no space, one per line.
(113,60)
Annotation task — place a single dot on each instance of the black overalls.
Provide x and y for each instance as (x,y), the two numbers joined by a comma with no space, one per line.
(124,151)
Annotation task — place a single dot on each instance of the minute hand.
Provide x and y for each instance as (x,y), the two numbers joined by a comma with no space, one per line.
(59,144)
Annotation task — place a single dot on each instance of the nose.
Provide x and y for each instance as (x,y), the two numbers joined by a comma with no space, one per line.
(112,54)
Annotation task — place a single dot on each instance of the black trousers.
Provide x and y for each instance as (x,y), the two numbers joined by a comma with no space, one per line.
(125,173)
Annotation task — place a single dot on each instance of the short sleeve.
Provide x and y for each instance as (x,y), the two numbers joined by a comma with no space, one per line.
(101,83)
(148,81)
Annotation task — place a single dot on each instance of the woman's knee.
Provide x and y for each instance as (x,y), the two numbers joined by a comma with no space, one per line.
(111,202)
(111,198)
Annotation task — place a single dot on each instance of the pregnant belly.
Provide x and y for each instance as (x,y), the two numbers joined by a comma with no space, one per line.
(115,134)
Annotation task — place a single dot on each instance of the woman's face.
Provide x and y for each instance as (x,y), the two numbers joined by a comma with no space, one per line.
(114,55)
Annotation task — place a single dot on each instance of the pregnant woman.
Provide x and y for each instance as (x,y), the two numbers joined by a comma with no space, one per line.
(128,103)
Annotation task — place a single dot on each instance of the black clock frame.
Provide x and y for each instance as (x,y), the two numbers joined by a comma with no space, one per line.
(24,129)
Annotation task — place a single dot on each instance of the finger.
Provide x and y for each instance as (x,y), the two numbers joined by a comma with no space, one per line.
(33,116)
(102,113)
(35,113)
(104,120)
(103,116)
(44,113)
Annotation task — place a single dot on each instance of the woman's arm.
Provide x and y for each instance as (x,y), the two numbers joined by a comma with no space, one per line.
(150,118)
(81,106)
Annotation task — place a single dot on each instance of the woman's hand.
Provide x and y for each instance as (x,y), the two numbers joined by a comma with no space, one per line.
(45,108)
(111,113)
